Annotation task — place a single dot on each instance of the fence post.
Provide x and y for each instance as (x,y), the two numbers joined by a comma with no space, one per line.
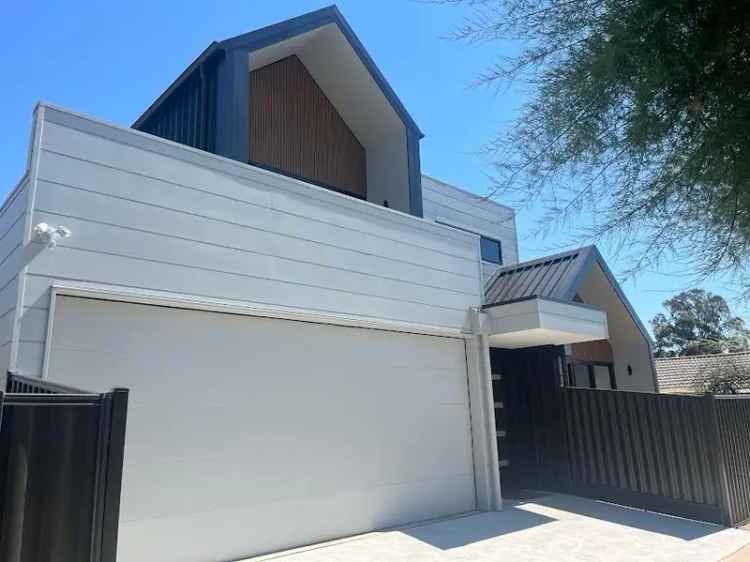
(115,453)
(565,422)
(717,453)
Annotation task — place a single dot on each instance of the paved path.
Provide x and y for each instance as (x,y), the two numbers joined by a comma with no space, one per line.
(555,527)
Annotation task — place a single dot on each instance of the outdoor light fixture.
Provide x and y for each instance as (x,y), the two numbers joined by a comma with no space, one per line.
(49,235)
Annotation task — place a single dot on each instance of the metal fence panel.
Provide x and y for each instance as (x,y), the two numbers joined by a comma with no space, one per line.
(733,424)
(60,472)
(654,451)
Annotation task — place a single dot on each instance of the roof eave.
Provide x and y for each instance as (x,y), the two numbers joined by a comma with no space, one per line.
(287,29)
(598,258)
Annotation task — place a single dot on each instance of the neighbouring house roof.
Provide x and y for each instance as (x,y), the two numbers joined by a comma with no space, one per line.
(681,373)
(288,29)
(557,277)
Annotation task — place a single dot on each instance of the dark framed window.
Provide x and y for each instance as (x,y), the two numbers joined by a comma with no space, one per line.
(591,374)
(491,250)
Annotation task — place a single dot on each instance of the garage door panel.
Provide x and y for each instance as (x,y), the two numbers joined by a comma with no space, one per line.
(372,456)
(228,331)
(153,496)
(225,431)
(274,523)
(267,433)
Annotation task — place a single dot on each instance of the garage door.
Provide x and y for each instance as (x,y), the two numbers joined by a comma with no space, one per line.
(248,435)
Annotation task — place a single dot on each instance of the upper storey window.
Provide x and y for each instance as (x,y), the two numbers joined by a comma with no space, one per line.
(491,250)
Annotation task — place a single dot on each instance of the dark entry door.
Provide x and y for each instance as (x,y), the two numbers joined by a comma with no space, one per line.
(513,420)
(528,417)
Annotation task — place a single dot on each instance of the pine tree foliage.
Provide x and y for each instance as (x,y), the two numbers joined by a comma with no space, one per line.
(639,116)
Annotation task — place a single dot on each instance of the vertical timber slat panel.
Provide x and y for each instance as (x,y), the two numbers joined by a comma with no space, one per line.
(295,129)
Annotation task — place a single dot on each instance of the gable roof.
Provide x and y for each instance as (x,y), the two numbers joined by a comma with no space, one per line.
(275,33)
(553,277)
(681,373)
(557,277)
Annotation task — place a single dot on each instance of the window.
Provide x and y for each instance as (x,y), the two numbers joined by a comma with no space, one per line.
(491,250)
(591,374)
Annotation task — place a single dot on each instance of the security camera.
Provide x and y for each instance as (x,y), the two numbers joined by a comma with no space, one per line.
(50,235)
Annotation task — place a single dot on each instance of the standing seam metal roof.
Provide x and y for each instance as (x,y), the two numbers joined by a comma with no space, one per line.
(555,277)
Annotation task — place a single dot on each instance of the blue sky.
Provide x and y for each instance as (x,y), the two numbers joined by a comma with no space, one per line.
(112,59)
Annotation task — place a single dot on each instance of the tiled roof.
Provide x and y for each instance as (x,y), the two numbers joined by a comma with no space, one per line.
(553,277)
(681,373)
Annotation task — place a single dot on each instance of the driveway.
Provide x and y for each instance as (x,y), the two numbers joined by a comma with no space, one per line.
(549,527)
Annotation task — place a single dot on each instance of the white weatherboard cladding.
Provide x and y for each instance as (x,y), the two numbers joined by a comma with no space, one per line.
(12,224)
(149,214)
(451,205)
(248,434)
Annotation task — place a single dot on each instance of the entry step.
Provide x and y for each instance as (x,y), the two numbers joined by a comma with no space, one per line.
(504,463)
(501,433)
(499,405)
(497,377)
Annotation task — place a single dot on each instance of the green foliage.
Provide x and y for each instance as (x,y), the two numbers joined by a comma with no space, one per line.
(640,115)
(727,377)
(698,323)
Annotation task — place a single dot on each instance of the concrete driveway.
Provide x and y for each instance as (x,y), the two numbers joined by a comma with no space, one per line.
(551,527)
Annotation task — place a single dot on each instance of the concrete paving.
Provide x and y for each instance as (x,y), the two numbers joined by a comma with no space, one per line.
(553,527)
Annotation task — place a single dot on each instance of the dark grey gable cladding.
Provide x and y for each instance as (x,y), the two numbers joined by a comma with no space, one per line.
(558,277)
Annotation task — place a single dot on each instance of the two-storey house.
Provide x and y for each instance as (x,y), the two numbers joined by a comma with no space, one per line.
(318,339)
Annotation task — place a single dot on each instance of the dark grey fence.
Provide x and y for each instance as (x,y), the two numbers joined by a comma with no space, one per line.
(61,455)
(682,455)
(732,419)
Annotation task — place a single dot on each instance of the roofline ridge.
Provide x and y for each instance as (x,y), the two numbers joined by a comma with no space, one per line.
(543,259)
(722,354)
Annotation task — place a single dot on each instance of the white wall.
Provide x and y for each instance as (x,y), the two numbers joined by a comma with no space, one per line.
(151,214)
(629,346)
(388,173)
(449,204)
(12,225)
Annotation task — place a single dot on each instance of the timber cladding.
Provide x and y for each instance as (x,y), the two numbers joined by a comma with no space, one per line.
(296,130)
(600,351)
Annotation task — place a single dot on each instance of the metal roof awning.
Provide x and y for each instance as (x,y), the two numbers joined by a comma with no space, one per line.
(535,303)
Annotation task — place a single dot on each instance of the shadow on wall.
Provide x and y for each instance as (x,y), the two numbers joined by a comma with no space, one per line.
(520,516)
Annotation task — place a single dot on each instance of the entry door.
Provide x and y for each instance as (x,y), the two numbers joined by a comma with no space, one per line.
(515,431)
(528,415)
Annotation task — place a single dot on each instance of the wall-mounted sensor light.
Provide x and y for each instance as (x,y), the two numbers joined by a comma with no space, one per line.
(49,235)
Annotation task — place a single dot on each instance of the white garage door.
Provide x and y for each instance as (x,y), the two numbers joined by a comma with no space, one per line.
(247,435)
